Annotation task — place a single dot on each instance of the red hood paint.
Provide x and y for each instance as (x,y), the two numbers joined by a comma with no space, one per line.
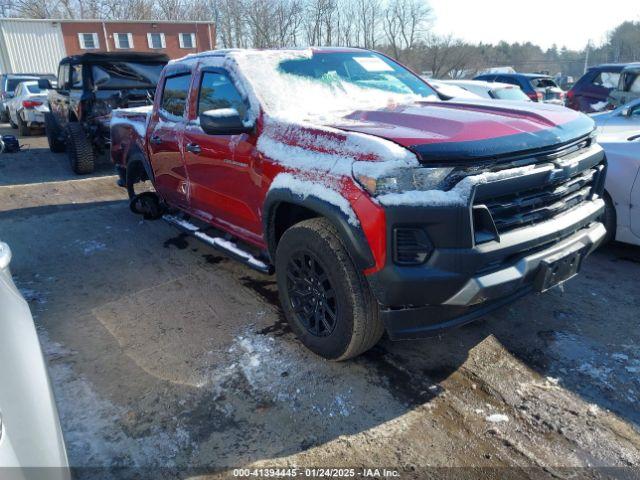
(452,121)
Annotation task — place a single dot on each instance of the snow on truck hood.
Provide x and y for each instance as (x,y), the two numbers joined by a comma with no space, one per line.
(470,130)
(434,130)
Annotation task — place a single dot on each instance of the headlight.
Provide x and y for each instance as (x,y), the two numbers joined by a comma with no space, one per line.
(403,180)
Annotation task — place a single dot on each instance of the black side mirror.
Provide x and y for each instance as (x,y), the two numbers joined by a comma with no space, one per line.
(223,121)
(44,84)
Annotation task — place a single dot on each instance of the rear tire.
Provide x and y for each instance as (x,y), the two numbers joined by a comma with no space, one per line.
(11,122)
(79,150)
(609,219)
(4,115)
(23,128)
(325,299)
(53,134)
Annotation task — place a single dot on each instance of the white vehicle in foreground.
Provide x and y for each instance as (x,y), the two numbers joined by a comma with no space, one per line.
(622,186)
(623,119)
(27,107)
(493,90)
(30,435)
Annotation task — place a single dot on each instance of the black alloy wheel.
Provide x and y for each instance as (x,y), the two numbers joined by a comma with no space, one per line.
(312,296)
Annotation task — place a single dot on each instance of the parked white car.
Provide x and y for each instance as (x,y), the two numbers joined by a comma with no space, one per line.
(27,107)
(623,119)
(451,91)
(493,90)
(622,186)
(30,434)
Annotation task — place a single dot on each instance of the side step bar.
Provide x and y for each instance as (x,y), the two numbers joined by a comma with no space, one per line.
(225,246)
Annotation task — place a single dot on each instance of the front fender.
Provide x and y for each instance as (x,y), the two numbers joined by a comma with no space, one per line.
(352,236)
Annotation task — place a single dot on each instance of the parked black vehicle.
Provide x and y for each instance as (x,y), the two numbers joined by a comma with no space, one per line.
(8,84)
(89,87)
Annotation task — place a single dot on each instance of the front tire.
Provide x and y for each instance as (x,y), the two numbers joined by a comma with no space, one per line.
(325,299)
(79,149)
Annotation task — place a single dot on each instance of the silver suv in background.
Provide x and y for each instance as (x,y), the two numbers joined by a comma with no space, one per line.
(30,434)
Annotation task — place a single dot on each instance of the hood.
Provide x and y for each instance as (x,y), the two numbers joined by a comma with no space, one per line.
(472,129)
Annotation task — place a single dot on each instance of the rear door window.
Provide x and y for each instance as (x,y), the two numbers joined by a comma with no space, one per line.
(606,79)
(543,83)
(218,91)
(175,95)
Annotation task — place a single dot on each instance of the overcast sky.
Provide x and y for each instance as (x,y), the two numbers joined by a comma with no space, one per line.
(543,22)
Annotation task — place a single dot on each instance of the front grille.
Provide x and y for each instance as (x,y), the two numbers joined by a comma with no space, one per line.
(538,204)
(566,186)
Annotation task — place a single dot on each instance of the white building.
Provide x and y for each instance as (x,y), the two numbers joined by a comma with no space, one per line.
(30,46)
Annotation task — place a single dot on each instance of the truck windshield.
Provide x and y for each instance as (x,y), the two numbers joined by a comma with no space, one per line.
(363,69)
(121,75)
(329,85)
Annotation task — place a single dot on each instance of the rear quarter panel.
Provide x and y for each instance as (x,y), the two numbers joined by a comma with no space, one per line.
(128,134)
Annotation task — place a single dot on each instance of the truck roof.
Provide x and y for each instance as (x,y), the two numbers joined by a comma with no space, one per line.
(107,57)
(223,52)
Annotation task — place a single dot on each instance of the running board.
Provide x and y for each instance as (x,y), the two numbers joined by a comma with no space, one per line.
(224,246)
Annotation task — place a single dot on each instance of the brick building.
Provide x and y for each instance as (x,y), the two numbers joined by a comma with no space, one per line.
(38,45)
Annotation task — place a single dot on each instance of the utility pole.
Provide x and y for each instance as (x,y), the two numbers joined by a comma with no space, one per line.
(586,57)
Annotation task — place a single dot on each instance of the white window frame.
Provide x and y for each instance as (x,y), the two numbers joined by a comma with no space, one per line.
(162,40)
(193,40)
(96,41)
(116,41)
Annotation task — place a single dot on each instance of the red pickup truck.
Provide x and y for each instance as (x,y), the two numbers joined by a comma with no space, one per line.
(378,205)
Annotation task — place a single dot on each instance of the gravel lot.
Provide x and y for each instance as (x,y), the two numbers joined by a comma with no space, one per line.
(168,358)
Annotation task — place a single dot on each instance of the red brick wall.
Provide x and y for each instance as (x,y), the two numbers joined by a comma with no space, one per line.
(205,35)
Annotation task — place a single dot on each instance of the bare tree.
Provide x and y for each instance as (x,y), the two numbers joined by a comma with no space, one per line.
(406,22)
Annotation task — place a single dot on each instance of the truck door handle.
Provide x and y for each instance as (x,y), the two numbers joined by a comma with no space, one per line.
(155,139)
(193,148)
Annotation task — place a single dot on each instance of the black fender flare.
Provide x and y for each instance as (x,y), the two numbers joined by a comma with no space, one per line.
(136,155)
(352,236)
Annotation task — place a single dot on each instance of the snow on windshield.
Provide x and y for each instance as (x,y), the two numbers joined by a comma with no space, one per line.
(298,85)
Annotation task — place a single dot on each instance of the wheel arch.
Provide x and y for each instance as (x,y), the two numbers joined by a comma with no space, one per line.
(283,209)
(136,158)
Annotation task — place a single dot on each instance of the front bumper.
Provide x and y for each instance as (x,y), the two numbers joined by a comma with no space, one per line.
(467,274)
(484,293)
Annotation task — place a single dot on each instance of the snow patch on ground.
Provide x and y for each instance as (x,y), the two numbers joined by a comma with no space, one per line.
(497,418)
(306,187)
(290,376)
(90,246)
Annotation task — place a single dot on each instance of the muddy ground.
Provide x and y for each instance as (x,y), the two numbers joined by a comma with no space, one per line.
(169,359)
